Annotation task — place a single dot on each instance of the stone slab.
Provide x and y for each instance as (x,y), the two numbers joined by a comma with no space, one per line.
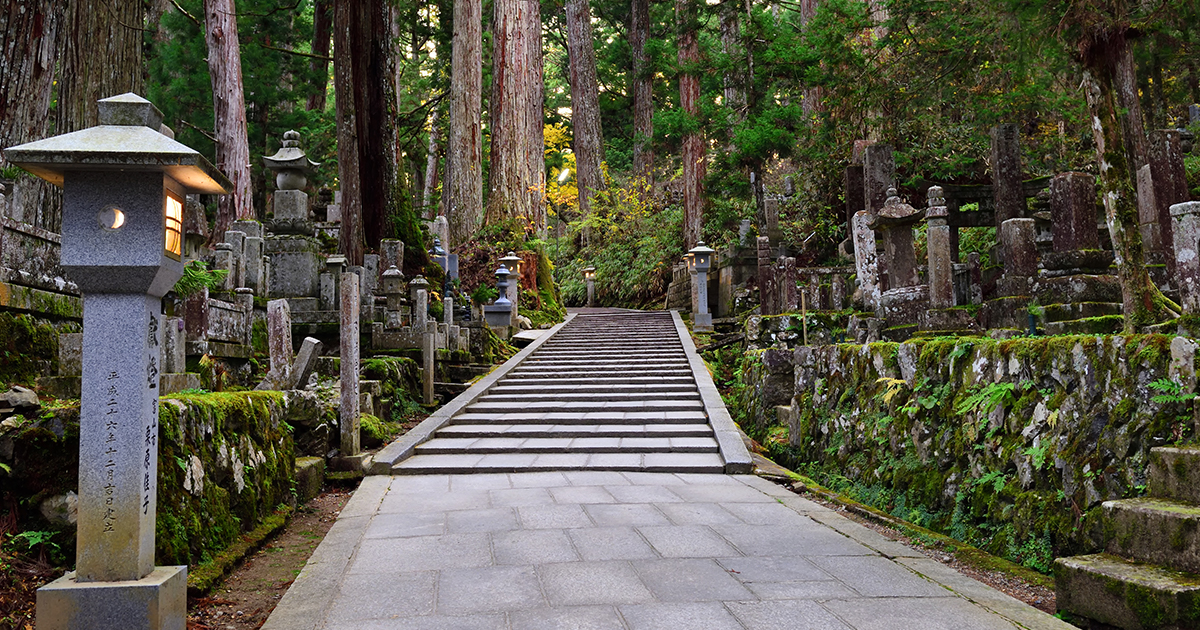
(155,602)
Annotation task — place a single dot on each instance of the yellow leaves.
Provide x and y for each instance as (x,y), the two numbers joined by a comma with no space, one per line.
(892,387)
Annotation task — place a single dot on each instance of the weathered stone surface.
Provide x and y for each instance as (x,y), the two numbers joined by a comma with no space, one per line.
(1017,240)
(852,185)
(1154,530)
(1174,473)
(279,337)
(894,225)
(1148,211)
(1186,226)
(157,601)
(879,172)
(766,277)
(1082,261)
(1078,288)
(349,417)
(1170,181)
(306,361)
(70,354)
(20,398)
(252,263)
(391,253)
(1124,594)
(904,306)
(1006,173)
(310,476)
(1073,211)
(295,266)
(865,260)
(61,510)
(1183,363)
(174,345)
(941,263)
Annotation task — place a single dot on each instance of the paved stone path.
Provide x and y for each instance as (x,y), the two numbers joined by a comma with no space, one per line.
(573,532)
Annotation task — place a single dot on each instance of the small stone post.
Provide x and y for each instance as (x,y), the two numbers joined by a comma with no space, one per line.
(941,269)
(1187,254)
(279,336)
(420,312)
(122,244)
(350,409)
(702,255)
(1147,209)
(695,282)
(1006,173)
(787,288)
(766,277)
(448,312)
(590,275)
(866,259)
(1170,182)
(879,169)
(853,187)
(428,365)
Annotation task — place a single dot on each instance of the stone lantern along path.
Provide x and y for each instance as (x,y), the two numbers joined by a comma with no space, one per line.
(124,183)
(609,391)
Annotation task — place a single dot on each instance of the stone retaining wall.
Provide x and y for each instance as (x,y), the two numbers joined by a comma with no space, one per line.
(1008,445)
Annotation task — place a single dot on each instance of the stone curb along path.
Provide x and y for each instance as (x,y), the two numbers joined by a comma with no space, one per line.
(441,551)
(610,390)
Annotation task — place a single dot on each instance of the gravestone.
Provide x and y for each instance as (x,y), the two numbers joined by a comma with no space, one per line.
(1008,197)
(1170,182)
(866,261)
(279,337)
(853,183)
(421,311)
(787,285)
(766,278)
(894,223)
(1147,209)
(1187,254)
(879,170)
(391,254)
(941,269)
(252,261)
(124,185)
(1073,212)
(349,408)
(771,214)
(306,361)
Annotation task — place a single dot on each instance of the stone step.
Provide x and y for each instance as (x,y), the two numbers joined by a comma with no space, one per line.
(1126,594)
(673,369)
(1158,531)
(471,416)
(1175,473)
(590,444)
(581,396)
(552,386)
(638,380)
(601,362)
(575,430)
(605,354)
(1080,310)
(535,462)
(601,346)
(582,407)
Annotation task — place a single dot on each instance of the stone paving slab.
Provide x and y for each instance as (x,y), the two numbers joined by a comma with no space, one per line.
(620,550)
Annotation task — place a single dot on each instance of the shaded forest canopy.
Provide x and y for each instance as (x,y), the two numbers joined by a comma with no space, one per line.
(762,90)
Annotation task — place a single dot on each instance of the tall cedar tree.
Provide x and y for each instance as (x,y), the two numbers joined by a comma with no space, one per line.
(517,171)
(464,151)
(643,92)
(229,107)
(585,104)
(322,21)
(694,154)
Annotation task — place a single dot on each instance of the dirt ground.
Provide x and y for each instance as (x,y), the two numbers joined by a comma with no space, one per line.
(248,595)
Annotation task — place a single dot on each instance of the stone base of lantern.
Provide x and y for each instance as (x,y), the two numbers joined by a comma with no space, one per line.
(155,602)
(702,322)
(499,319)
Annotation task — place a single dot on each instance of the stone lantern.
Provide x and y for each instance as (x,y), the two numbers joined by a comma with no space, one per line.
(292,168)
(513,263)
(589,274)
(498,315)
(702,257)
(124,184)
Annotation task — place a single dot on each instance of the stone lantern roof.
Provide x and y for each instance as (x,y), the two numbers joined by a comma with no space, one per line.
(895,212)
(290,155)
(128,138)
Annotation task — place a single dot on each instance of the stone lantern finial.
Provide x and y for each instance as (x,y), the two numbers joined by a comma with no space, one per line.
(290,165)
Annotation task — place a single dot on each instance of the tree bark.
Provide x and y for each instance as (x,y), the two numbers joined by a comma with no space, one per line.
(643,93)
(229,113)
(517,174)
(694,158)
(463,190)
(101,57)
(350,235)
(1117,155)
(585,104)
(28,50)
(431,167)
(322,21)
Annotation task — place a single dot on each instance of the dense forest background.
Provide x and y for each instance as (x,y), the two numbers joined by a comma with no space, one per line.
(610,133)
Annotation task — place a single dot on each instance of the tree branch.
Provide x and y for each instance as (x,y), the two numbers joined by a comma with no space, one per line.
(188,15)
(294,52)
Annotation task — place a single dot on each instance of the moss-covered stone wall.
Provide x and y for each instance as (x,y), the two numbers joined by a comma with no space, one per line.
(29,346)
(1008,445)
(225,462)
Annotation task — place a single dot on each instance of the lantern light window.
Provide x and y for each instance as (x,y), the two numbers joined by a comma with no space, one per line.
(173,220)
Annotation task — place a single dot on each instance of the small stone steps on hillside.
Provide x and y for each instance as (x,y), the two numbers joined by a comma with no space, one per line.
(1149,574)
(606,392)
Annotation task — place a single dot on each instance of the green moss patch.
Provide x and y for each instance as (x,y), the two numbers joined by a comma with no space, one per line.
(206,575)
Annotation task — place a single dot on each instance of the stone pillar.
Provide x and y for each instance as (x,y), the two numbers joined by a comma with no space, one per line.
(1187,254)
(174,354)
(894,222)
(448,311)
(787,288)
(695,287)
(428,365)
(514,290)
(391,254)
(591,292)
(1018,242)
(852,182)
(441,230)
(866,260)
(330,279)
(941,266)
(420,311)
(279,337)
(701,318)
(766,278)
(252,262)
(879,169)
(837,292)
(771,214)
(1170,182)
(370,281)
(349,405)
(1073,212)
(290,205)
(244,298)
(1006,173)
(975,269)
(333,212)
(1148,213)
(223,260)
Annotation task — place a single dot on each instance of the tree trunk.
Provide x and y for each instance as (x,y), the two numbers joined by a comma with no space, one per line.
(585,104)
(1115,121)
(229,113)
(731,44)
(812,95)
(643,93)
(350,235)
(28,48)
(431,168)
(694,158)
(463,191)
(517,174)
(322,20)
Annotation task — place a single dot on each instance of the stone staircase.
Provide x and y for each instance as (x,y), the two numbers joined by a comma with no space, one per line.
(1149,574)
(609,391)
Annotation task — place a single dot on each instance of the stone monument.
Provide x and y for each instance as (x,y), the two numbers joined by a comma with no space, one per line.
(124,185)
(295,263)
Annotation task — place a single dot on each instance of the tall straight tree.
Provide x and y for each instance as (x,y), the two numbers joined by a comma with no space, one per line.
(350,236)
(322,21)
(464,151)
(365,84)
(585,104)
(229,109)
(643,92)
(27,53)
(517,174)
(694,155)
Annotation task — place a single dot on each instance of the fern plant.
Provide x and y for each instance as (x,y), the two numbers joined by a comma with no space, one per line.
(1172,392)
(988,398)
(197,277)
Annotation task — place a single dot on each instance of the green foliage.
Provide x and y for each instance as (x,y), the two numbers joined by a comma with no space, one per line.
(1172,392)
(988,398)
(198,277)
(483,294)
